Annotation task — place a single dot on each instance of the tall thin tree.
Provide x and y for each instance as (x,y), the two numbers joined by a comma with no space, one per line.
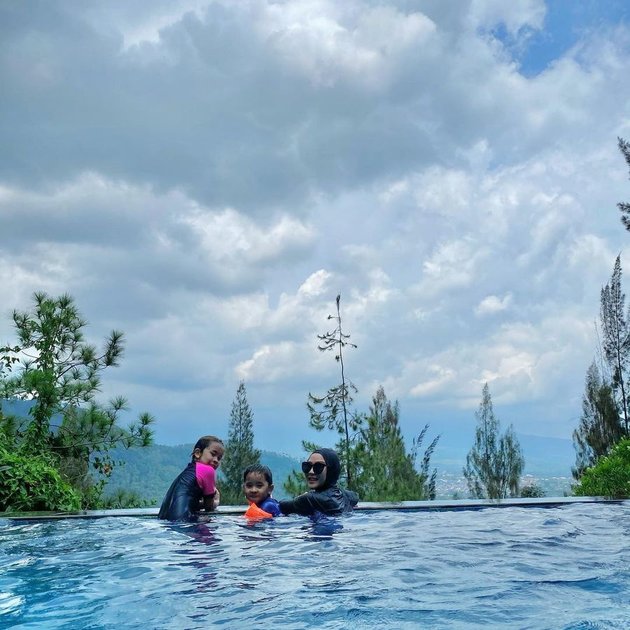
(495,462)
(624,147)
(616,338)
(600,427)
(333,409)
(239,448)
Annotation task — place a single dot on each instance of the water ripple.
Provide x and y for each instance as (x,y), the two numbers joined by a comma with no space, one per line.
(519,567)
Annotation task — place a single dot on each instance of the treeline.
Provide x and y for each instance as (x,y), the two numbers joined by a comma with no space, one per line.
(61,456)
(375,460)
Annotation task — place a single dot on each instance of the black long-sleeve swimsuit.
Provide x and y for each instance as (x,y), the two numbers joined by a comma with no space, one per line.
(332,501)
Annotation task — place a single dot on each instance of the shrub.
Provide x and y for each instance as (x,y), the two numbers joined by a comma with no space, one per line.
(124,499)
(32,483)
(532,491)
(610,477)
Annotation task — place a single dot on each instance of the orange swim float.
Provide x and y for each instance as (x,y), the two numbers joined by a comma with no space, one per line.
(253,511)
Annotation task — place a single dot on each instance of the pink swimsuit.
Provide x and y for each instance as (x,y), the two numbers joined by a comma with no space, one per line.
(205,476)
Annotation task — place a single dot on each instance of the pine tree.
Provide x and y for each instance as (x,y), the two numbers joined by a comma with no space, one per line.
(600,427)
(624,147)
(239,449)
(616,338)
(333,409)
(384,469)
(55,367)
(495,462)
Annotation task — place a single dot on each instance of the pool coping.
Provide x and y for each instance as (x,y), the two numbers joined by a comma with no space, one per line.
(443,505)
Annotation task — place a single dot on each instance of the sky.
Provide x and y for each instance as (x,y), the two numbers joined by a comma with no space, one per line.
(207,176)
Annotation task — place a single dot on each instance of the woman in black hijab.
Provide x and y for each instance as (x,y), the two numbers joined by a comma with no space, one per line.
(322,472)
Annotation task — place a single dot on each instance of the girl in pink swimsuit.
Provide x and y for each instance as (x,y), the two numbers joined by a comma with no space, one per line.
(195,485)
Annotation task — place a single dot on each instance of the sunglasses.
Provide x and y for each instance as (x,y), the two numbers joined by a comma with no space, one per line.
(317,467)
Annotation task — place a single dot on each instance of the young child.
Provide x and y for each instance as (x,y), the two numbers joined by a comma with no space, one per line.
(258,486)
(195,485)
(322,471)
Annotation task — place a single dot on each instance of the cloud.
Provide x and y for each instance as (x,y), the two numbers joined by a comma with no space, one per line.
(493,304)
(350,93)
(208,176)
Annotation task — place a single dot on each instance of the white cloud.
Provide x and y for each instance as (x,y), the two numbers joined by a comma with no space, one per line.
(439,380)
(231,239)
(493,304)
(270,364)
(331,41)
(208,176)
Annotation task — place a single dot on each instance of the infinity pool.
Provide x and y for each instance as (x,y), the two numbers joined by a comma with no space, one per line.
(511,567)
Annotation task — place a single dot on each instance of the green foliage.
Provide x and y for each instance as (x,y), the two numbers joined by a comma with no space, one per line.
(624,147)
(332,409)
(495,462)
(532,491)
(55,367)
(379,464)
(605,413)
(600,427)
(295,483)
(239,449)
(30,482)
(616,339)
(384,469)
(610,477)
(123,499)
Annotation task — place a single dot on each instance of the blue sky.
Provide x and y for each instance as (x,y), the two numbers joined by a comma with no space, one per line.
(565,24)
(208,175)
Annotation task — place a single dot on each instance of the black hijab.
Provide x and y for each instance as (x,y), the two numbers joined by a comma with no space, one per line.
(333,467)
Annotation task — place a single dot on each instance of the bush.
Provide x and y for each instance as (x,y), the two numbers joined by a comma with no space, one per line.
(532,491)
(610,477)
(124,499)
(32,484)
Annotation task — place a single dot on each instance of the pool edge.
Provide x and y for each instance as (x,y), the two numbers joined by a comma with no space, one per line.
(416,506)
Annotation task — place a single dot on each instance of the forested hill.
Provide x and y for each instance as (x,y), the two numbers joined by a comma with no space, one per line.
(149,471)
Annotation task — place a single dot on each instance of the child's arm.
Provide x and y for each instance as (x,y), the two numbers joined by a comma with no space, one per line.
(206,479)
(209,502)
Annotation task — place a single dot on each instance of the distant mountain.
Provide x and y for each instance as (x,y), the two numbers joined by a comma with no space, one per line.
(149,471)
(15,407)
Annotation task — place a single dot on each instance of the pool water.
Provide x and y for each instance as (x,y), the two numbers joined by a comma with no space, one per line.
(510,567)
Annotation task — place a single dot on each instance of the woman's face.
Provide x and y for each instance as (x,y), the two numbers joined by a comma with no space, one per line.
(315,480)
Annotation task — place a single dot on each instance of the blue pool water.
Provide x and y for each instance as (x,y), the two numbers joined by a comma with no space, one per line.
(512,567)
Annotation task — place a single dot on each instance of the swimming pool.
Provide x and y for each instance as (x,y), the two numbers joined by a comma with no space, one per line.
(513,567)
